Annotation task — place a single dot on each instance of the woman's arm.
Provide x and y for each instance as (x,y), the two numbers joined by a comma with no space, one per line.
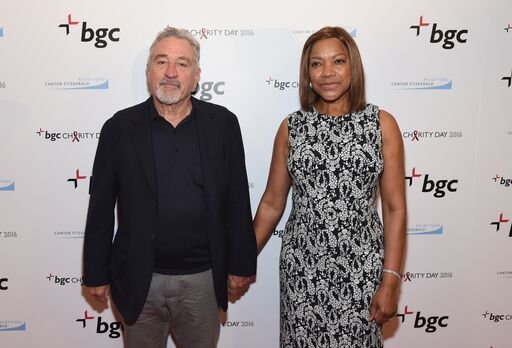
(273,201)
(392,191)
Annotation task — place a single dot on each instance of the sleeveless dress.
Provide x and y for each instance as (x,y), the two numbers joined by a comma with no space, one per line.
(332,249)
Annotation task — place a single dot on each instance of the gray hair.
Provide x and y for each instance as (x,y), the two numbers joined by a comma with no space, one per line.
(179,34)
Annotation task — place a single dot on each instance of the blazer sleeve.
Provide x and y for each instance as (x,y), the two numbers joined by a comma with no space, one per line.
(242,242)
(100,221)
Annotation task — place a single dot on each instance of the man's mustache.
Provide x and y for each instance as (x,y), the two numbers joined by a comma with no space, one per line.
(170,82)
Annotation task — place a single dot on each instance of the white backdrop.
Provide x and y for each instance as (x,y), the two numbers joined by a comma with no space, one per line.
(67,66)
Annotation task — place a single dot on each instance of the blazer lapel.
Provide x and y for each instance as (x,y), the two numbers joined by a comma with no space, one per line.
(143,143)
(207,136)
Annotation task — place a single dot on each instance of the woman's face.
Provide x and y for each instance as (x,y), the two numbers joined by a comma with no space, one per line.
(329,70)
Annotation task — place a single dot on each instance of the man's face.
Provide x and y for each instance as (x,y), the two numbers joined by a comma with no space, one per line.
(172,70)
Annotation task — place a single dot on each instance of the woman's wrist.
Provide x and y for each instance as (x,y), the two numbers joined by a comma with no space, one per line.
(392,272)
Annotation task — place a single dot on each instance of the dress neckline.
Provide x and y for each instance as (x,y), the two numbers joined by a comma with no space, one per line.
(344,117)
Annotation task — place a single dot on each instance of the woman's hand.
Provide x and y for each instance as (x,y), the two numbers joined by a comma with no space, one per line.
(385,301)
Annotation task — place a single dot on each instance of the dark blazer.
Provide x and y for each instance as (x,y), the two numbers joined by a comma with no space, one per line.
(124,174)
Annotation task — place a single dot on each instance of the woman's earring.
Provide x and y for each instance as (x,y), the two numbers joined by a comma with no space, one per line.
(310,85)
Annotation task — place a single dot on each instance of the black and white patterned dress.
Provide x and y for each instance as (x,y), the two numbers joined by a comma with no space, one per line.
(332,249)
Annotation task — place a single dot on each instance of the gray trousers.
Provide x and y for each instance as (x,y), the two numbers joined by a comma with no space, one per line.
(182,305)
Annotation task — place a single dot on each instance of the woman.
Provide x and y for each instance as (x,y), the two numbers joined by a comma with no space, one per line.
(339,266)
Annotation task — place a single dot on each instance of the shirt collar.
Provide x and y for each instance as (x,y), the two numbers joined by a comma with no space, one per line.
(156,116)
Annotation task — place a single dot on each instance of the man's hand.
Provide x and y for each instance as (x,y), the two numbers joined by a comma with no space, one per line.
(99,293)
(238,286)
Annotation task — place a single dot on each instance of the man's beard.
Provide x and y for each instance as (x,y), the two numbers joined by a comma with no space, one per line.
(168,97)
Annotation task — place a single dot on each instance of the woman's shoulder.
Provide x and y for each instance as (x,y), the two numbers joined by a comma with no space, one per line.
(371,110)
(294,117)
(386,118)
(388,123)
(296,113)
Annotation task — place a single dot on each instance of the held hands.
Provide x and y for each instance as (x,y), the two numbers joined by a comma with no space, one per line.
(385,301)
(99,293)
(238,286)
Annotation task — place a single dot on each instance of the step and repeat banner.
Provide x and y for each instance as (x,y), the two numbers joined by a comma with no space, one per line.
(443,69)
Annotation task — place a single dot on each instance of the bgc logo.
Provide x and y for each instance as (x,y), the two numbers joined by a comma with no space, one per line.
(281,85)
(428,323)
(101,36)
(508,79)
(77,178)
(439,187)
(497,317)
(71,135)
(437,34)
(102,327)
(64,280)
(498,223)
(501,180)
(205,90)
(3,284)
(278,233)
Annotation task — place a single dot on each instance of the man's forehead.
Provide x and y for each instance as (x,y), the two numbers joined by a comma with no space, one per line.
(174,43)
(174,47)
(157,55)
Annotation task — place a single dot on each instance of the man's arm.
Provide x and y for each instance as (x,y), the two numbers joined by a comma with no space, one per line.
(242,243)
(99,227)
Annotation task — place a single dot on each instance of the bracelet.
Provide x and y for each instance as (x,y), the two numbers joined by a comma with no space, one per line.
(390,271)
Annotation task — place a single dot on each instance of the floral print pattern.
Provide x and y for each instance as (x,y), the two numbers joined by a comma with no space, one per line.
(332,249)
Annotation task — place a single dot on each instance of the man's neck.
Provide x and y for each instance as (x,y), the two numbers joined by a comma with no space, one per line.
(174,113)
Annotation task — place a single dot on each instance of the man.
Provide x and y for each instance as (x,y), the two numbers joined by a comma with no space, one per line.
(175,167)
